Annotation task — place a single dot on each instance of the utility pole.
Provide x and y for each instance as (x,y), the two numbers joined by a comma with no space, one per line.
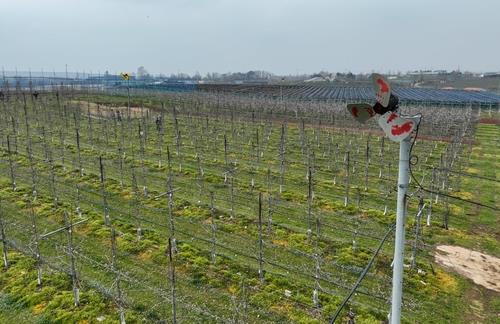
(399,243)
(397,129)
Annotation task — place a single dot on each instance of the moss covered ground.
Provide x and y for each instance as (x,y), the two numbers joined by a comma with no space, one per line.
(226,287)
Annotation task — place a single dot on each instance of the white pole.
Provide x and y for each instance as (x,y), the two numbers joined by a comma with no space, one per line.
(397,274)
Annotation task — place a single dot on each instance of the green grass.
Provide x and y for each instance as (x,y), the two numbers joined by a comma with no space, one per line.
(233,279)
(22,300)
(477,227)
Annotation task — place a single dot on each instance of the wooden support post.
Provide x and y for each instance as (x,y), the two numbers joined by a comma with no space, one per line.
(261,261)
(172,279)
(4,239)
(347,162)
(69,225)
(213,227)
(103,194)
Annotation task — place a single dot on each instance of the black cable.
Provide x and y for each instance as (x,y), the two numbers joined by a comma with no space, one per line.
(466,174)
(365,271)
(437,192)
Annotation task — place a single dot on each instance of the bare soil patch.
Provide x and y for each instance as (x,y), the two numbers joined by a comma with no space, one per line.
(99,111)
(490,120)
(482,269)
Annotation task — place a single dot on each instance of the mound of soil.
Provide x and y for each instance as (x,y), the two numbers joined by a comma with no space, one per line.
(482,269)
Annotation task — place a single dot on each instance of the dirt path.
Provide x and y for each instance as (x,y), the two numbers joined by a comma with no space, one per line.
(482,269)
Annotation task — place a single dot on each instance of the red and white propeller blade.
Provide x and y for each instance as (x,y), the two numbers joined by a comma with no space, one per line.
(382,89)
(397,128)
(361,111)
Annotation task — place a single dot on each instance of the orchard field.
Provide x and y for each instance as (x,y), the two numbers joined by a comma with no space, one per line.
(209,208)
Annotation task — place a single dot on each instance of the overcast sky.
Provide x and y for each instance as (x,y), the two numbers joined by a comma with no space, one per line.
(280,36)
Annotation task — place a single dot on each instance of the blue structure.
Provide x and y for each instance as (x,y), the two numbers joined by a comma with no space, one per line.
(291,91)
(409,95)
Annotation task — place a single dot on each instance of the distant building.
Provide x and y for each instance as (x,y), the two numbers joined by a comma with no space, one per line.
(318,79)
(474,89)
(490,75)
(429,72)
